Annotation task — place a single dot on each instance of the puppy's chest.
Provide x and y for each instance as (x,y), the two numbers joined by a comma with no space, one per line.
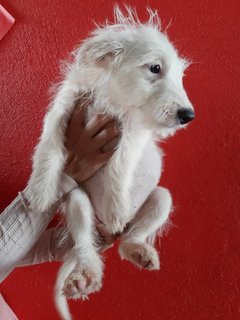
(146,176)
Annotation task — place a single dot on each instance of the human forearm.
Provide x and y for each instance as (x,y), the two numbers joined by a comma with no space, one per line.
(20,228)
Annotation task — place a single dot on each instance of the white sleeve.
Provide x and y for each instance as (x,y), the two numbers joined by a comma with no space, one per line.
(20,229)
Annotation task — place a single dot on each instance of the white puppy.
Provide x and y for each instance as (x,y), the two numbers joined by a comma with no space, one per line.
(131,71)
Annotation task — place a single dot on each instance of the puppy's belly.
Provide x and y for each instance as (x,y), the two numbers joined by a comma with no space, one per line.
(146,177)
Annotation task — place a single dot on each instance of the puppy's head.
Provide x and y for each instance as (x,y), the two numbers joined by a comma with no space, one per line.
(135,67)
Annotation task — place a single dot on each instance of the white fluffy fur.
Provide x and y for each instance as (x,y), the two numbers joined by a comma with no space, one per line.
(112,68)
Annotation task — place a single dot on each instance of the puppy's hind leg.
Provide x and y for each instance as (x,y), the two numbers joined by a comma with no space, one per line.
(150,218)
(81,273)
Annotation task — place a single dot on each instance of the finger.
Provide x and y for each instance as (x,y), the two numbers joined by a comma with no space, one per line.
(111,145)
(105,136)
(77,118)
(96,123)
(76,124)
(103,158)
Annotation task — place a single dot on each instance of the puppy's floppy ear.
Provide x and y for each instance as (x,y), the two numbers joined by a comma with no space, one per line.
(104,52)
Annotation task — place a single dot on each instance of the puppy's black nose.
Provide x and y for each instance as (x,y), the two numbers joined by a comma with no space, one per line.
(185,115)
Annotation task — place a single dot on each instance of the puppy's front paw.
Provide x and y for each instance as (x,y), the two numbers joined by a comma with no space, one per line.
(141,254)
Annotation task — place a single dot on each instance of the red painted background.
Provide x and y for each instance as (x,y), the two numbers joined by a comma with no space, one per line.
(200,259)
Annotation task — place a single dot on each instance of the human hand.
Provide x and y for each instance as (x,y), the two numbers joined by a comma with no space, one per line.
(89,145)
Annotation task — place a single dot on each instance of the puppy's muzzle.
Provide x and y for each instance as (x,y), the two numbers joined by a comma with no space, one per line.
(185,115)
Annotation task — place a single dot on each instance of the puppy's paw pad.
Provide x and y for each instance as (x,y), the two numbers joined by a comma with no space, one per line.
(146,260)
(141,254)
(80,283)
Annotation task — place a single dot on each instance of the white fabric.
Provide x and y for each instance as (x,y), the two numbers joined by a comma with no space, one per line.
(5,312)
(22,237)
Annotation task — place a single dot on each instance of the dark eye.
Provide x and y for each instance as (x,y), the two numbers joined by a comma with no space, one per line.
(155,68)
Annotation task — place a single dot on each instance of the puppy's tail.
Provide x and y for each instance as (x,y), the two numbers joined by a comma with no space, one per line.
(59,297)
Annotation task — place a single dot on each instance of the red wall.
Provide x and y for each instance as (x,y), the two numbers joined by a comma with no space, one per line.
(199,277)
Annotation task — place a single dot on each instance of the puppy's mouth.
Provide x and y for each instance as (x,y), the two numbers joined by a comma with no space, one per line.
(168,129)
(171,125)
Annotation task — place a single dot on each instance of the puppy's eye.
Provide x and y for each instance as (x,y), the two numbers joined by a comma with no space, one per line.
(155,68)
